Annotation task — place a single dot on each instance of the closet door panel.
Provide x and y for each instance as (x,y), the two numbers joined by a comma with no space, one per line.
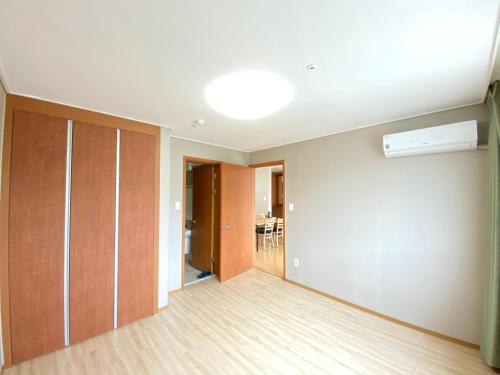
(36,234)
(92,235)
(136,226)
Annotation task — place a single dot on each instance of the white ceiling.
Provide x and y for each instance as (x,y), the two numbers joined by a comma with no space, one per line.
(378,60)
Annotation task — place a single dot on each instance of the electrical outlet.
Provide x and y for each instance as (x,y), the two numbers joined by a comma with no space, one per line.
(177,205)
(296,262)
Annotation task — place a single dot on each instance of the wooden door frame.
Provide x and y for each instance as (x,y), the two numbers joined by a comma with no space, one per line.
(21,103)
(275,164)
(185,160)
(273,177)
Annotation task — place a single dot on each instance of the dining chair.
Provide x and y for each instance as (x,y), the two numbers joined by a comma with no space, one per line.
(279,231)
(268,232)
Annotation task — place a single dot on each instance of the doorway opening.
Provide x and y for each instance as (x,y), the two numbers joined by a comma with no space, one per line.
(201,233)
(218,217)
(269,212)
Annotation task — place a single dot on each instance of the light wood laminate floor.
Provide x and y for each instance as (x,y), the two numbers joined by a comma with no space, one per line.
(270,259)
(257,323)
(190,273)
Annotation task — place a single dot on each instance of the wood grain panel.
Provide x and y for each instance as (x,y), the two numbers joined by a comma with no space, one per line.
(36,234)
(216,233)
(19,103)
(4,235)
(136,227)
(92,235)
(202,223)
(236,216)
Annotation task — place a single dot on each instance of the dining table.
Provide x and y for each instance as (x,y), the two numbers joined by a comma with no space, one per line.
(259,221)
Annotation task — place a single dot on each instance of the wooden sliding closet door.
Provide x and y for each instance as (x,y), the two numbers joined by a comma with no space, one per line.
(36,234)
(136,226)
(92,235)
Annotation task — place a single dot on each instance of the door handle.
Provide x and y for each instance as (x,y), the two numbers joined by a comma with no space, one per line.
(225,226)
(193,221)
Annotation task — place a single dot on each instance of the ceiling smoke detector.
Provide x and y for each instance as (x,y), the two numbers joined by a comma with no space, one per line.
(198,122)
(312,67)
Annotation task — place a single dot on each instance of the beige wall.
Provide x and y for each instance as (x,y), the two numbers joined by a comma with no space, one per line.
(263,190)
(403,237)
(179,149)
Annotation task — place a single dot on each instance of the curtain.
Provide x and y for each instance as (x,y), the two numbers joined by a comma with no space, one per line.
(490,340)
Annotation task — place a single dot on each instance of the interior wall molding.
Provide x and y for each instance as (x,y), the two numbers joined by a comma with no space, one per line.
(386,317)
(86,109)
(209,144)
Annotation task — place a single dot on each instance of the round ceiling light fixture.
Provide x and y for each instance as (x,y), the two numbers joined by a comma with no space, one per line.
(248,95)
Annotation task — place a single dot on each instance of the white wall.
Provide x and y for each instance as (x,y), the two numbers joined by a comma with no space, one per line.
(179,149)
(263,190)
(403,237)
(164,217)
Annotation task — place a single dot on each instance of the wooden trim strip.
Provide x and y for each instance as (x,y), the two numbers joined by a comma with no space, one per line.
(193,159)
(4,234)
(386,317)
(261,269)
(17,102)
(268,164)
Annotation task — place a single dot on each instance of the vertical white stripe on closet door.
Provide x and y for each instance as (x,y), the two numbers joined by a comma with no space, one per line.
(67,218)
(117,208)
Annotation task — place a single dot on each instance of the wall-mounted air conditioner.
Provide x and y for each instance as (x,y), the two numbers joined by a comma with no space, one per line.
(460,136)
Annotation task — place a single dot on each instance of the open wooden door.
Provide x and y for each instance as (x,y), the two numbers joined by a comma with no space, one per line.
(203,218)
(237,219)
